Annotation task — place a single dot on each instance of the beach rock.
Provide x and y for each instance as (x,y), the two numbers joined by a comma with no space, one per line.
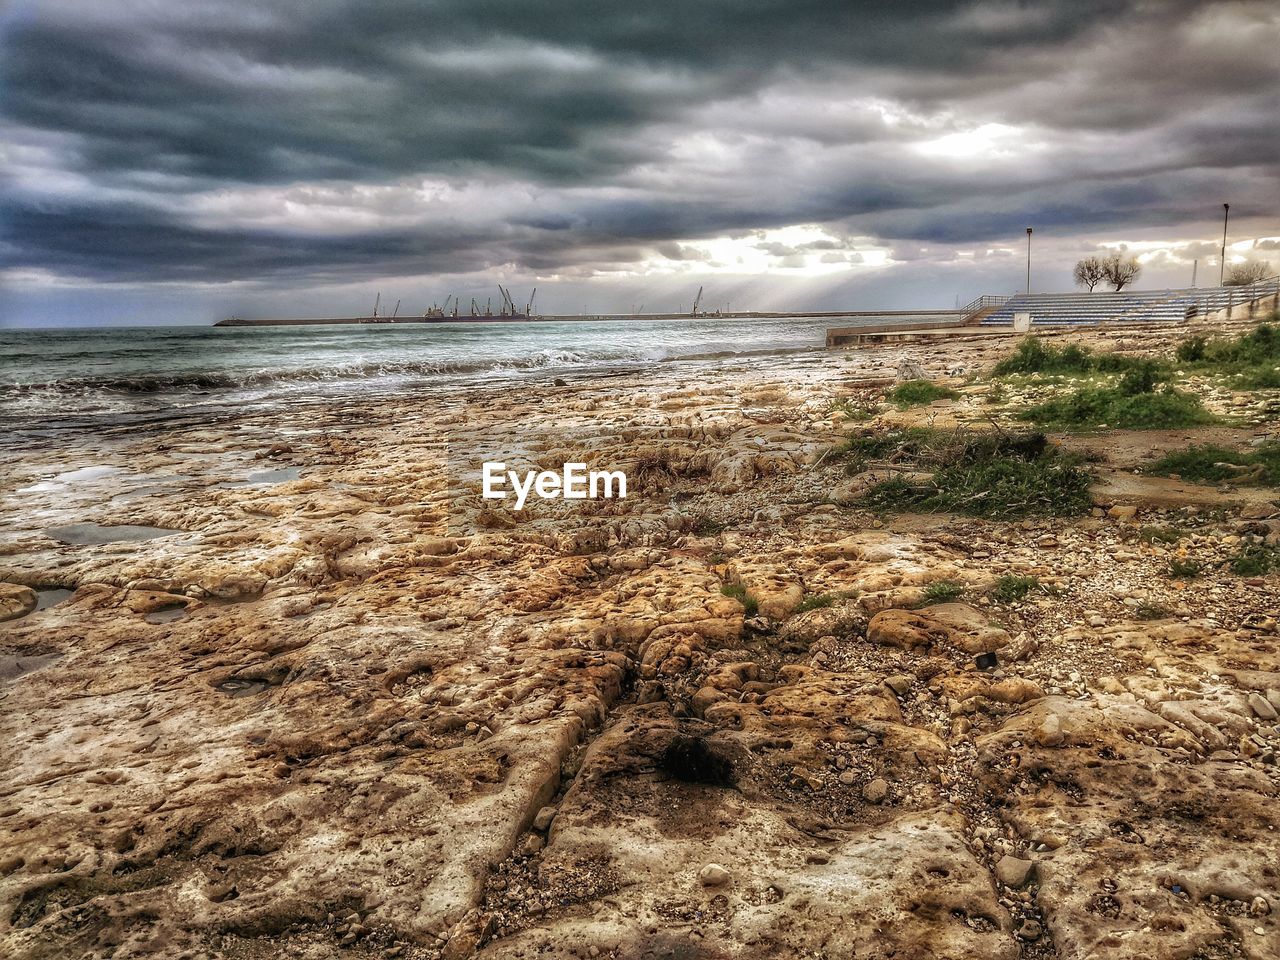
(16,601)
(876,790)
(542,820)
(899,683)
(1049,733)
(842,619)
(713,875)
(955,625)
(1262,707)
(1014,871)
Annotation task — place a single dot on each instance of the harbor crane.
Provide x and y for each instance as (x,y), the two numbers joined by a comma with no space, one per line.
(528,307)
(696,301)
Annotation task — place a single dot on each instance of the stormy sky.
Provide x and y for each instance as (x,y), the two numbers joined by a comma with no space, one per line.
(181,161)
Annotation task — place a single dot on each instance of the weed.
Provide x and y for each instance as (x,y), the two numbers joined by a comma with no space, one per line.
(1182,568)
(705,526)
(1033,355)
(916,393)
(857,409)
(1255,560)
(815,601)
(1113,407)
(1150,611)
(985,475)
(736,590)
(1013,587)
(941,591)
(1252,358)
(1212,464)
(1157,534)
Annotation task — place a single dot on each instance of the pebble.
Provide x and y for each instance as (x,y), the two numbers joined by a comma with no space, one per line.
(876,790)
(1014,871)
(544,817)
(1030,930)
(1049,733)
(1262,707)
(899,683)
(713,875)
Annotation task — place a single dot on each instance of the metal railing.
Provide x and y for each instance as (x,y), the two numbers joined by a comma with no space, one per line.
(978,304)
(1228,298)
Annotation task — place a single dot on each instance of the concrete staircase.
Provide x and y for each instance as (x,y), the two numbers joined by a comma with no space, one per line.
(1136,306)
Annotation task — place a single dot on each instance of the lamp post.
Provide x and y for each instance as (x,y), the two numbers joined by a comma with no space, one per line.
(1028,259)
(1222,268)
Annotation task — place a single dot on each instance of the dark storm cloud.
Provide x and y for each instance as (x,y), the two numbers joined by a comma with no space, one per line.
(587,118)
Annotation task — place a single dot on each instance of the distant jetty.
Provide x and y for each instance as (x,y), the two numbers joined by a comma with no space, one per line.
(575,317)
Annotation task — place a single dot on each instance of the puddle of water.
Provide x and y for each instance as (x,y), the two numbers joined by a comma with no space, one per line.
(95,534)
(306,614)
(166,614)
(279,475)
(266,478)
(241,688)
(11,668)
(51,597)
(71,477)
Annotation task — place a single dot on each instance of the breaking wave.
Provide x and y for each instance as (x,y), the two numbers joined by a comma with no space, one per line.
(355,370)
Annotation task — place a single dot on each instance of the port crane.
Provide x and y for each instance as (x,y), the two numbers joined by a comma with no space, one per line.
(696,301)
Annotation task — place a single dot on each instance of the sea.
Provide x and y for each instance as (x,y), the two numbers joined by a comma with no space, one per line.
(74,378)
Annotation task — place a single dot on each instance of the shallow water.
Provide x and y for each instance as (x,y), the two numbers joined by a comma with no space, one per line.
(96,534)
(74,378)
(51,597)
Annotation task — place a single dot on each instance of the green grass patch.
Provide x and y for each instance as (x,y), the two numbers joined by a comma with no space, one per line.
(816,601)
(1151,611)
(1159,534)
(992,475)
(1119,408)
(856,409)
(1207,463)
(1034,356)
(1013,587)
(704,526)
(941,591)
(1252,358)
(736,590)
(1184,568)
(1255,560)
(917,393)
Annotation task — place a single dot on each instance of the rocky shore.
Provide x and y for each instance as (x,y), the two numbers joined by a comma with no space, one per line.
(321,699)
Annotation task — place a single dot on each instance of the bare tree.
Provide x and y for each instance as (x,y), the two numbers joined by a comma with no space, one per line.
(1120,271)
(1243,274)
(1089,272)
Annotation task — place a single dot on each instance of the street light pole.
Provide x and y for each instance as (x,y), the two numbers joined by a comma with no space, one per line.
(1028,259)
(1222,268)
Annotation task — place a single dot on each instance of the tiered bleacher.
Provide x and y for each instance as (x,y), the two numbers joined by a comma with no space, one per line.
(1128,306)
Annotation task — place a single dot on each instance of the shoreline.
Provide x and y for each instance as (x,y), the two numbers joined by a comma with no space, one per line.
(350,707)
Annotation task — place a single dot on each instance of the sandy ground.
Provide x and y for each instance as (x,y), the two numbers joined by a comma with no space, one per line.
(326,701)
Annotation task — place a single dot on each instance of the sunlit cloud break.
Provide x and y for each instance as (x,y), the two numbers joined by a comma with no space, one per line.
(813,155)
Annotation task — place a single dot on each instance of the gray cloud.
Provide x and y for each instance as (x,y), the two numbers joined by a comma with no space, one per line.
(292,142)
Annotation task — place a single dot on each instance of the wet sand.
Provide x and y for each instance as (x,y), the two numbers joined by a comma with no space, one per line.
(353,709)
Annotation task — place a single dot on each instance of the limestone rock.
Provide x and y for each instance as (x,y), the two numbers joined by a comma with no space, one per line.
(954,625)
(16,601)
(1014,871)
(713,875)
(876,790)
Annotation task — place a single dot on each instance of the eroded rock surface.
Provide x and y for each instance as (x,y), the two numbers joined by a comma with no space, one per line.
(362,712)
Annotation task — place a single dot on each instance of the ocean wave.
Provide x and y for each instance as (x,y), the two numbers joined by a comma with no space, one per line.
(360,369)
(173,381)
